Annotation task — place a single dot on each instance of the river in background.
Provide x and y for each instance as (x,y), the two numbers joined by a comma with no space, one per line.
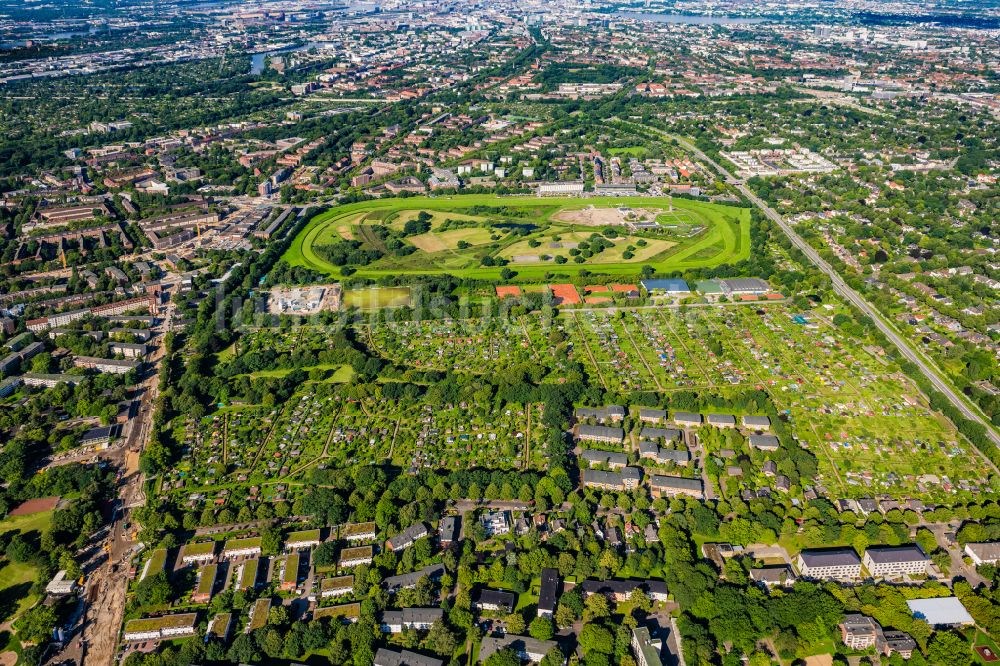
(51,37)
(258,60)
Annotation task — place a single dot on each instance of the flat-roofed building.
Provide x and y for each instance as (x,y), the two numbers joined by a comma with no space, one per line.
(178,625)
(666,286)
(555,189)
(61,585)
(248,547)
(219,626)
(336,587)
(258,615)
(156,563)
(205,588)
(247,575)
(830,564)
(193,553)
(358,532)
(496,523)
(645,648)
(940,611)
(302,539)
(290,574)
(352,557)
(745,286)
(894,561)
(343,613)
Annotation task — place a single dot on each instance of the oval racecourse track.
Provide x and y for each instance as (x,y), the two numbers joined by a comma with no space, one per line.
(723,241)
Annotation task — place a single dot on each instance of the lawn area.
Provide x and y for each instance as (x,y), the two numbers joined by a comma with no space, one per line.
(722,235)
(375,298)
(226,354)
(982,639)
(448,240)
(628,151)
(16,579)
(614,254)
(341,374)
(36,522)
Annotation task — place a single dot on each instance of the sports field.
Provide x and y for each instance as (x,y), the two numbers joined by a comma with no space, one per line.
(464,234)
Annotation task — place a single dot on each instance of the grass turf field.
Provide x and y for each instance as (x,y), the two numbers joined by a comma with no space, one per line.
(16,578)
(724,236)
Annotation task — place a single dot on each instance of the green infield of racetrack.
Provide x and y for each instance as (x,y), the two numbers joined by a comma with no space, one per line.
(726,239)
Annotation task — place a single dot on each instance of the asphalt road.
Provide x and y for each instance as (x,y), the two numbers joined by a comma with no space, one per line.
(846,292)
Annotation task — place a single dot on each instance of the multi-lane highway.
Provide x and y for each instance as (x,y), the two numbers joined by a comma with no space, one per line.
(845,290)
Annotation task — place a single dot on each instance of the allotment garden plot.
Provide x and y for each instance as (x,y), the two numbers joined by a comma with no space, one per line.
(470,435)
(271,352)
(866,422)
(213,447)
(477,345)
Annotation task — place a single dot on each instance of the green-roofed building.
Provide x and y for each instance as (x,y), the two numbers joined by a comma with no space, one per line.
(249,547)
(290,576)
(346,612)
(156,563)
(647,651)
(249,572)
(160,628)
(206,584)
(258,615)
(358,532)
(302,539)
(198,553)
(708,286)
(219,627)
(352,557)
(336,587)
